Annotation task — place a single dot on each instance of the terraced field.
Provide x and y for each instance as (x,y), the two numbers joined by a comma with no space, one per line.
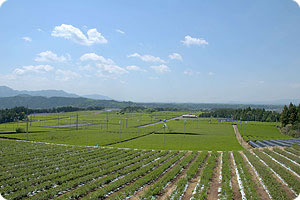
(30,170)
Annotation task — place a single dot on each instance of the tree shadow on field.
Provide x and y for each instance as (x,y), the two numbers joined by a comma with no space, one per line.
(181,133)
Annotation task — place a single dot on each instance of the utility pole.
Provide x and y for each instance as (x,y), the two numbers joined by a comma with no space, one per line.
(120,129)
(87,135)
(184,127)
(77,121)
(164,126)
(107,121)
(27,122)
(70,127)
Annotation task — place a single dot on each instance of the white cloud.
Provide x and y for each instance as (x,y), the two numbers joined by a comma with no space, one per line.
(188,72)
(74,34)
(147,58)
(66,75)
(188,40)
(110,69)
(86,68)
(120,31)
(105,67)
(298,2)
(261,82)
(153,77)
(95,57)
(39,30)
(49,56)
(175,56)
(295,85)
(27,39)
(161,69)
(135,68)
(1,2)
(33,68)
(211,73)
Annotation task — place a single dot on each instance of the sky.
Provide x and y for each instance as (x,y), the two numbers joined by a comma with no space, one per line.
(202,51)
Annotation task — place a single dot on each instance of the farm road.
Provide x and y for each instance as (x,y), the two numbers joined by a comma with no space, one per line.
(240,139)
(179,117)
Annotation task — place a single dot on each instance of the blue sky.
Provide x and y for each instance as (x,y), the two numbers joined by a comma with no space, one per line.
(153,51)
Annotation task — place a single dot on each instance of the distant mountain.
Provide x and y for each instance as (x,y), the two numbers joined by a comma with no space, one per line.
(97,97)
(8,92)
(38,102)
(53,102)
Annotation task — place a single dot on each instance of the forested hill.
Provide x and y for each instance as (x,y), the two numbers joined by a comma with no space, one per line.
(53,102)
(35,102)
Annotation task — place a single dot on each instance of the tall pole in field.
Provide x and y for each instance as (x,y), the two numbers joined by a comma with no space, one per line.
(27,123)
(70,127)
(184,127)
(126,122)
(107,121)
(77,121)
(164,126)
(120,129)
(87,135)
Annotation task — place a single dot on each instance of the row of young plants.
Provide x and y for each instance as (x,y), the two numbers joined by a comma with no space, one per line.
(71,173)
(108,172)
(206,177)
(291,180)
(246,177)
(101,192)
(288,155)
(55,184)
(46,174)
(284,161)
(274,187)
(293,151)
(158,187)
(138,184)
(226,188)
(191,172)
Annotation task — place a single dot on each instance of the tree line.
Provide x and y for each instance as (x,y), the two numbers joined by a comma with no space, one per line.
(19,113)
(247,114)
(132,109)
(290,115)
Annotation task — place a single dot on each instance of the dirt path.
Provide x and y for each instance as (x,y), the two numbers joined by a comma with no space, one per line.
(235,187)
(189,191)
(215,183)
(170,188)
(240,139)
(140,193)
(259,188)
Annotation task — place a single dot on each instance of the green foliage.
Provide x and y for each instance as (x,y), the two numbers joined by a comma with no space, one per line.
(247,114)
(20,130)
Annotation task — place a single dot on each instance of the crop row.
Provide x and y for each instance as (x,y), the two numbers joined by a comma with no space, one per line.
(103,174)
(206,177)
(273,186)
(226,189)
(182,183)
(284,161)
(156,188)
(101,192)
(291,180)
(246,177)
(288,155)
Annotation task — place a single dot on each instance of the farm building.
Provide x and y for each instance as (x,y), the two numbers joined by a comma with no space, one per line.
(225,120)
(189,116)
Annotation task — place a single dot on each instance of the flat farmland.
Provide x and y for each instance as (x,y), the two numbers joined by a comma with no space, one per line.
(262,131)
(32,170)
(194,134)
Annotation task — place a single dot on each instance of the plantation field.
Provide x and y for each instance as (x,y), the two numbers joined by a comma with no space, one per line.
(48,171)
(201,134)
(262,131)
(106,127)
